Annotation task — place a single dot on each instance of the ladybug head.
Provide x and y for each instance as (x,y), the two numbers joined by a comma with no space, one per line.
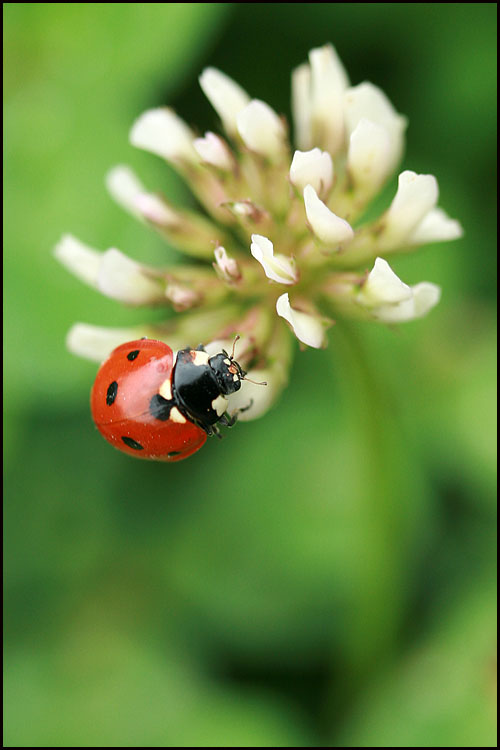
(227,372)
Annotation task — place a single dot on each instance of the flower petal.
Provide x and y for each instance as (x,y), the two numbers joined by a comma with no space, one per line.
(83,261)
(328,83)
(163,133)
(214,150)
(301,106)
(382,286)
(279,268)
(314,168)
(310,329)
(123,279)
(367,101)
(225,96)
(436,226)
(97,343)
(369,158)
(327,226)
(417,194)
(261,129)
(129,192)
(424,297)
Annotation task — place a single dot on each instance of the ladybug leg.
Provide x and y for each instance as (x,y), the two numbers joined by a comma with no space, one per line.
(229,421)
(210,429)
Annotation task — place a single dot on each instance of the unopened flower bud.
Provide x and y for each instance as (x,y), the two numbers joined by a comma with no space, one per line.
(226,267)
(313,168)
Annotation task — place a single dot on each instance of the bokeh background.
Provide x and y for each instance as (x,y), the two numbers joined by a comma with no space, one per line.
(324,576)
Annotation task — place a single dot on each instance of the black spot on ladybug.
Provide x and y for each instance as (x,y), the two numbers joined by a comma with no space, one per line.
(159,407)
(111,392)
(133,355)
(173,453)
(132,443)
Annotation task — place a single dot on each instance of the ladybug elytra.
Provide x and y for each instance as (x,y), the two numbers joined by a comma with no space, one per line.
(148,405)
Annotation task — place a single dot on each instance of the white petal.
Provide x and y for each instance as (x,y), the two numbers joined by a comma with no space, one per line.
(122,278)
(225,96)
(154,209)
(261,129)
(417,194)
(328,83)
(382,286)
(369,158)
(213,150)
(96,343)
(424,297)
(301,106)
(163,133)
(83,261)
(366,101)
(309,329)
(436,226)
(327,226)
(314,168)
(129,192)
(124,187)
(279,268)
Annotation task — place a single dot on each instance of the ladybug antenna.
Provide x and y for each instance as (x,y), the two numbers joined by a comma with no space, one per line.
(255,382)
(242,372)
(236,338)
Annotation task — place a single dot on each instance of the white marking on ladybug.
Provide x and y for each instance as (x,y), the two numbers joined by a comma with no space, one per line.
(220,405)
(166,389)
(227,362)
(199,358)
(176,416)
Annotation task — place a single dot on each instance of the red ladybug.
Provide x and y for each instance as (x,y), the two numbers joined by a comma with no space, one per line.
(149,406)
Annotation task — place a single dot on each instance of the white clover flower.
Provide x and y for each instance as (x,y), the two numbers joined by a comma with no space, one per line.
(280,247)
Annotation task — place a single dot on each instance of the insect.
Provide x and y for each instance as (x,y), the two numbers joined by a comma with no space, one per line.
(149,406)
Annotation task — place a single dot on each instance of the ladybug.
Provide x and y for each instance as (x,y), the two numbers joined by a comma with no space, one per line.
(148,405)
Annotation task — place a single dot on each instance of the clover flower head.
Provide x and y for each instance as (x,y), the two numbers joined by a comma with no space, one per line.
(282,245)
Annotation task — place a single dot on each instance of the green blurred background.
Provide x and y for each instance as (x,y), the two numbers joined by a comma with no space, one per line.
(326,575)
